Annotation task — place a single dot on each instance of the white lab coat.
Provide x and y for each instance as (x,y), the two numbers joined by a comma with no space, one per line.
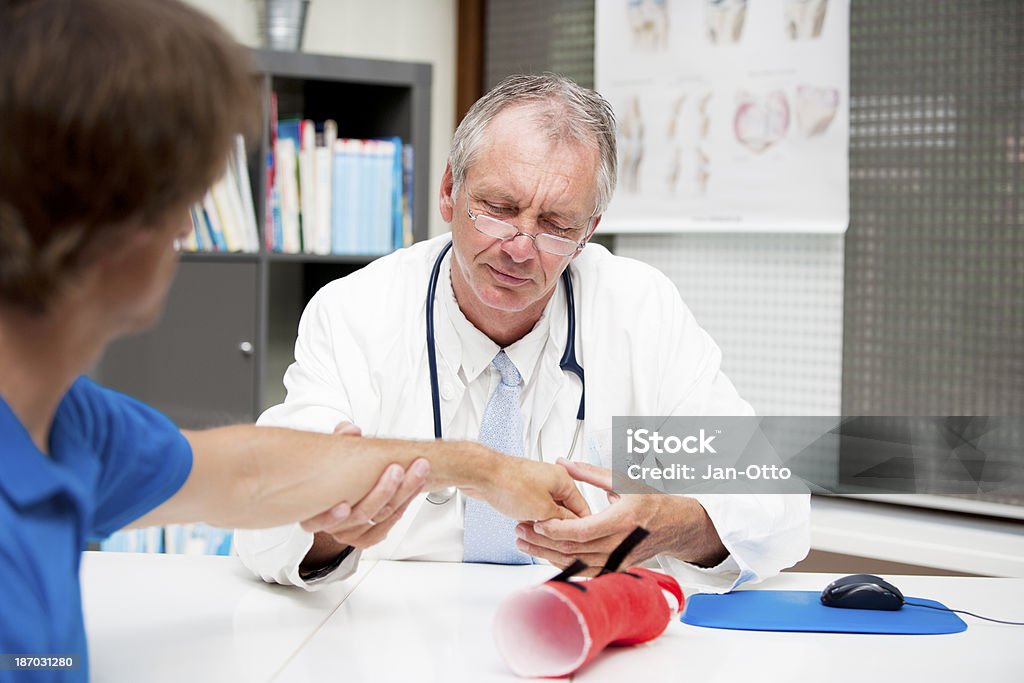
(361,356)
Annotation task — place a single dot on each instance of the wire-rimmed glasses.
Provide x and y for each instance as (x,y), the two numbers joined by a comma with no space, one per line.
(544,241)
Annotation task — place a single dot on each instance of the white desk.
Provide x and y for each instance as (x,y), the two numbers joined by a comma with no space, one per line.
(173,618)
(193,618)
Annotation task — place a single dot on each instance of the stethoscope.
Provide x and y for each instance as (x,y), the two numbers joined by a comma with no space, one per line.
(568,363)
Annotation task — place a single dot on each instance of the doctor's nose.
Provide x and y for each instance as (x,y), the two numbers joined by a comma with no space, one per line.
(519,248)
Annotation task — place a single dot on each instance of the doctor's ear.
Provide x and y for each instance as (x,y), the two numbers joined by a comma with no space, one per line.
(447,202)
(593,229)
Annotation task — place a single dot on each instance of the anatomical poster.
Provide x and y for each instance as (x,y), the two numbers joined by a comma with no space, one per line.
(733,115)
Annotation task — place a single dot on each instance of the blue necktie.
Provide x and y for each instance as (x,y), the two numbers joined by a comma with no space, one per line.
(490,536)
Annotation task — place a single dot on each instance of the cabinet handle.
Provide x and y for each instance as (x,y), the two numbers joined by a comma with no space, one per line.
(246,348)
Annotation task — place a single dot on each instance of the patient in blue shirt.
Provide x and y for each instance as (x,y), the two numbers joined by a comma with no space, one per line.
(112,459)
(115,117)
(104,147)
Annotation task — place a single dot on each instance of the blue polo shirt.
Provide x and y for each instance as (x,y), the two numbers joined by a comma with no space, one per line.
(112,459)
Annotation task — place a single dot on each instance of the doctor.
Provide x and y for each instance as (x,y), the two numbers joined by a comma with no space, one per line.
(517,307)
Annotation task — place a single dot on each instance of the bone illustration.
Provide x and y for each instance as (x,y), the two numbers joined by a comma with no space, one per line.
(815,109)
(648,22)
(761,122)
(804,18)
(631,145)
(724,20)
(675,145)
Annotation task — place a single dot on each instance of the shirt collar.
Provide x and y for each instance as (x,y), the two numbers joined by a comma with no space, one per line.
(28,476)
(478,350)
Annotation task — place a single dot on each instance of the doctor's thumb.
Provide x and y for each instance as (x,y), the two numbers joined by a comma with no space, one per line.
(346,428)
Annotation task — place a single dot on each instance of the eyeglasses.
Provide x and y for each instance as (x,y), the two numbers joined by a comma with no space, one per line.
(546,242)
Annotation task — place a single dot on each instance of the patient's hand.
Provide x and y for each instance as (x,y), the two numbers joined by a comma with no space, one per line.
(528,490)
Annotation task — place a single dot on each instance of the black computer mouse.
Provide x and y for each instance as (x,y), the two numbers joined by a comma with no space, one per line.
(862,591)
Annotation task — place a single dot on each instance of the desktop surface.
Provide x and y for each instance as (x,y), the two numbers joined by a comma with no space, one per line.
(173,618)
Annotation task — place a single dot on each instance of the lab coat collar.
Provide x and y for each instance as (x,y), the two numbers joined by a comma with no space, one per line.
(475,350)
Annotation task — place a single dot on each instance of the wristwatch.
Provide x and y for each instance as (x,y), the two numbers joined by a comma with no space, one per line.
(310,575)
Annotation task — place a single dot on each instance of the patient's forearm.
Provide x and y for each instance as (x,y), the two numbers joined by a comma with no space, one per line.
(253,477)
(327,469)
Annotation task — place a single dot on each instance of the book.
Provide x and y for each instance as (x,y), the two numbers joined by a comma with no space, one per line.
(148,540)
(395,238)
(324,158)
(286,182)
(407,196)
(245,194)
(225,218)
(354,194)
(339,198)
(370,197)
(307,186)
(197,539)
(212,216)
(286,161)
(383,229)
(216,237)
(230,220)
(272,200)
(273,239)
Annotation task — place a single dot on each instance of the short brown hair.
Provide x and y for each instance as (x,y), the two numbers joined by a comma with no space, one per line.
(112,113)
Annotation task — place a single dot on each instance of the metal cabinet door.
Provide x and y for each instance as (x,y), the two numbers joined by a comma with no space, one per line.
(198,364)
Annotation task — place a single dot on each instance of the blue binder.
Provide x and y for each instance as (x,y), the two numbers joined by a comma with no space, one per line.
(767,610)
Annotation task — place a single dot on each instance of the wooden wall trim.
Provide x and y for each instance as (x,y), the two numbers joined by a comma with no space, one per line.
(469,60)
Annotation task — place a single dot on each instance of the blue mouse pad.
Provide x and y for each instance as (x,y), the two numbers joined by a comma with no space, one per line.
(767,610)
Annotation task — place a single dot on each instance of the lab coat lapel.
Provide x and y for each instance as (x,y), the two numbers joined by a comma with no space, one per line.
(449,360)
(555,411)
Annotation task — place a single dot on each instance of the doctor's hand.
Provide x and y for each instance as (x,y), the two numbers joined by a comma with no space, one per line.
(368,522)
(678,526)
(526,489)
